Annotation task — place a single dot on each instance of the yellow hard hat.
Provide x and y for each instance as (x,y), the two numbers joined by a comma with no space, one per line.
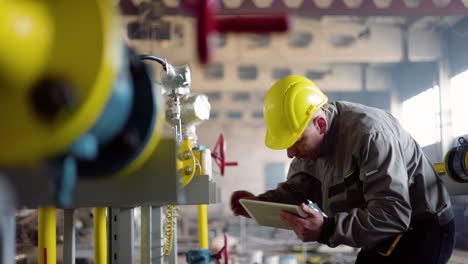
(288,107)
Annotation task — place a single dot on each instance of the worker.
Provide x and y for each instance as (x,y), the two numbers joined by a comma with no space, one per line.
(378,190)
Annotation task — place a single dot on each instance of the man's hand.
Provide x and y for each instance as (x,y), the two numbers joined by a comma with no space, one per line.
(307,229)
(236,207)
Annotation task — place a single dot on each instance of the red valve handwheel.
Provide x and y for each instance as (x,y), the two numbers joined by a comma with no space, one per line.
(219,155)
(208,23)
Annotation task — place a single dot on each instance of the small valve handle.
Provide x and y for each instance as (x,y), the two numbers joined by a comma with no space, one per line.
(208,23)
(219,155)
(224,251)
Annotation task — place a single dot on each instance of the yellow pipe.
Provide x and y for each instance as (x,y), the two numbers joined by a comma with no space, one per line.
(100,235)
(202,226)
(47,245)
(440,167)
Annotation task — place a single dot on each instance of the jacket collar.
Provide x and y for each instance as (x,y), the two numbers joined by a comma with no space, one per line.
(329,139)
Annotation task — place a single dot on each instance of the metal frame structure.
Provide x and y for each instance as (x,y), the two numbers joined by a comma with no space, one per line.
(323,7)
(153,186)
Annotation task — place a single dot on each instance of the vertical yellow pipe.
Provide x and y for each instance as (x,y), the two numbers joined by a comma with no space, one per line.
(100,235)
(202,226)
(47,245)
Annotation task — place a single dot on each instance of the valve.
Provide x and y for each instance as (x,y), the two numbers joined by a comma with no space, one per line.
(455,163)
(208,23)
(219,155)
(202,256)
(224,252)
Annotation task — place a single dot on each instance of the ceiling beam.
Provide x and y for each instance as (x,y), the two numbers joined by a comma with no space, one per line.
(334,7)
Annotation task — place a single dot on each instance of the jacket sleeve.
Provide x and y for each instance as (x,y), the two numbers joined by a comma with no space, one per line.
(298,187)
(387,208)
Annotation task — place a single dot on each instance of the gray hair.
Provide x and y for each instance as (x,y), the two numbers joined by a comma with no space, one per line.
(319,112)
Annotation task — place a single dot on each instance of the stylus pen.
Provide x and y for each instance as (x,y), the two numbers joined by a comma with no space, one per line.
(314,206)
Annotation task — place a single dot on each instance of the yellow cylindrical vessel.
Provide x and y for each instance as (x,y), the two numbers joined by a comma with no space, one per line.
(47,244)
(100,235)
(43,41)
(26,34)
(203,226)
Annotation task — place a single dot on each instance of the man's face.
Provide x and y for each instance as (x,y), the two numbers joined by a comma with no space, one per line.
(307,146)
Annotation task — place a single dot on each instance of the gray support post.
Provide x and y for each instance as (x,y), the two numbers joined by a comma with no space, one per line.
(7,239)
(7,222)
(69,237)
(446,132)
(110,235)
(304,252)
(146,234)
(113,246)
(157,235)
(243,235)
(122,233)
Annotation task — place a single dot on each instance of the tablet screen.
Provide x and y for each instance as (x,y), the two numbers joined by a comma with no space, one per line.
(267,213)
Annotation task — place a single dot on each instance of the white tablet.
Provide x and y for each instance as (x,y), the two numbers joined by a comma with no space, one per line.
(267,213)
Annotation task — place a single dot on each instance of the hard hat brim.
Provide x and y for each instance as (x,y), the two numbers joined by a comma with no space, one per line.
(283,142)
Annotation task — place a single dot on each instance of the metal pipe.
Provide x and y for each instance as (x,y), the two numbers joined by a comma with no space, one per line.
(100,235)
(69,236)
(203,226)
(146,235)
(47,245)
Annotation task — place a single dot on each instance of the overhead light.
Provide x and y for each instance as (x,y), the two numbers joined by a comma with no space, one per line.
(171,3)
(263,3)
(412,3)
(323,3)
(232,3)
(353,3)
(441,3)
(382,3)
(293,3)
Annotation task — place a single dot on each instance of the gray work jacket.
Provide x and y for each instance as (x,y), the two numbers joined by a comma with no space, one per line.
(371,178)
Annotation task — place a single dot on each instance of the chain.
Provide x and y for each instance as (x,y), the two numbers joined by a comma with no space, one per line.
(171,220)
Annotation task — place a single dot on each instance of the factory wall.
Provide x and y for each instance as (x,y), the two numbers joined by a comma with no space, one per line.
(412,78)
(457,42)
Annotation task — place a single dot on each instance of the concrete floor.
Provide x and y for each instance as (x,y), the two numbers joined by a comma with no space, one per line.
(458,257)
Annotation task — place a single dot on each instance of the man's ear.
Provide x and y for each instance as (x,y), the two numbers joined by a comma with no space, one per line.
(322,124)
